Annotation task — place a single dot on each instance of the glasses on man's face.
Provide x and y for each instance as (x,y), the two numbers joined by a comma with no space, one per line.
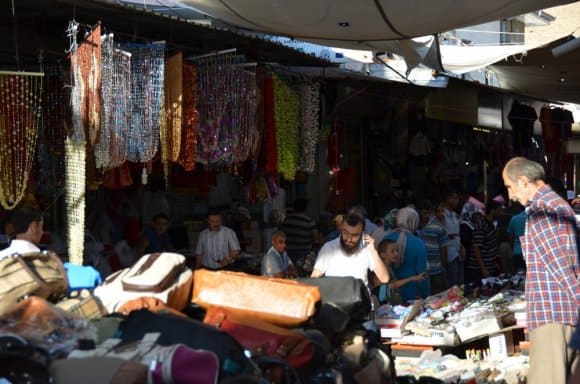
(346,235)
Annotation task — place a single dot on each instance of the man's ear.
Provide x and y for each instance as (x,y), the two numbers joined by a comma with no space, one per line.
(522,180)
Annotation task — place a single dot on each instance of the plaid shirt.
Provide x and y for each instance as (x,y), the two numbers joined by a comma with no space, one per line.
(551,254)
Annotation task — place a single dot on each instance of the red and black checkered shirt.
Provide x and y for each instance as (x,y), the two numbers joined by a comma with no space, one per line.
(551,254)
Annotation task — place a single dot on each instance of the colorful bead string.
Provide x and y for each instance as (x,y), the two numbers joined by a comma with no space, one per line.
(20,101)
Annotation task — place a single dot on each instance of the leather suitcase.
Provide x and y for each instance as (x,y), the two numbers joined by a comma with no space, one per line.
(277,301)
(150,276)
(263,339)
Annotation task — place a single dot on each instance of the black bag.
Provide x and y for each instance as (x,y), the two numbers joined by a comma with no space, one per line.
(21,362)
(182,330)
(348,293)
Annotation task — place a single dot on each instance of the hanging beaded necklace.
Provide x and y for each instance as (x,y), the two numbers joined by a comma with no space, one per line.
(174,95)
(20,101)
(75,163)
(111,149)
(50,144)
(309,107)
(189,133)
(248,134)
(287,115)
(147,70)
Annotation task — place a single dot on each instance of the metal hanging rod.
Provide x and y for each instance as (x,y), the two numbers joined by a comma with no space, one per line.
(22,73)
(225,51)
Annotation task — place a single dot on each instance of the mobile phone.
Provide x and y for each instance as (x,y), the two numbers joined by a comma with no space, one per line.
(362,243)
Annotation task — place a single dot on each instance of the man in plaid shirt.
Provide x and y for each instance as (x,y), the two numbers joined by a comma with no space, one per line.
(552,287)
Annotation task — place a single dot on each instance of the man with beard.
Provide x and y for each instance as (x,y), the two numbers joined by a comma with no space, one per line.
(352,254)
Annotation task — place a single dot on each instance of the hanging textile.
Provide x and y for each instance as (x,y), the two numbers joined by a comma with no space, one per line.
(287,116)
(309,107)
(111,149)
(20,101)
(50,144)
(86,96)
(147,70)
(75,155)
(190,125)
(522,118)
(269,150)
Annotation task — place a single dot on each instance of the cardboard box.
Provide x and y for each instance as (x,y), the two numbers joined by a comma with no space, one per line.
(472,330)
(391,328)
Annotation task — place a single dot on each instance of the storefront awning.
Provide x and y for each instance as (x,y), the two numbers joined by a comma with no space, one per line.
(349,24)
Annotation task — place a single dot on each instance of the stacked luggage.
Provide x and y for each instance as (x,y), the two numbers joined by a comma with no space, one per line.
(159,322)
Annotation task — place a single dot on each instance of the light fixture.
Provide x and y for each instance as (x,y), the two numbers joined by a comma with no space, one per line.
(344,24)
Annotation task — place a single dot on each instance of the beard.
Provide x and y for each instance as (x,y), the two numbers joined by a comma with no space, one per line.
(350,250)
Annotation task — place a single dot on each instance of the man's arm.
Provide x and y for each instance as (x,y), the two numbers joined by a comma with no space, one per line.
(554,251)
(234,248)
(316,273)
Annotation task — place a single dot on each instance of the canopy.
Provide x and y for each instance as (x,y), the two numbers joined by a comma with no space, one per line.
(541,74)
(362,24)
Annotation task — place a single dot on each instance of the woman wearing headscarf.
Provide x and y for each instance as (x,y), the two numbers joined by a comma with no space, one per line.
(389,225)
(413,260)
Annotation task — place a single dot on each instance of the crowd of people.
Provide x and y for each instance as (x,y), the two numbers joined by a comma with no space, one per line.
(415,251)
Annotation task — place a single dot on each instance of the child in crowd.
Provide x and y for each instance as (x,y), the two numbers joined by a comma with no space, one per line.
(387,293)
(276,262)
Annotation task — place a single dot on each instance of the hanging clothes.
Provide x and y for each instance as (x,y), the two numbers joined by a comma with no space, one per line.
(522,118)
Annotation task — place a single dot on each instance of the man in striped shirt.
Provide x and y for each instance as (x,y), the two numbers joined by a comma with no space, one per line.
(549,246)
(301,232)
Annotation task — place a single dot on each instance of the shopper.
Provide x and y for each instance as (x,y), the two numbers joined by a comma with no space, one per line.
(413,254)
(389,292)
(484,262)
(552,292)
(301,232)
(515,230)
(352,254)
(436,244)
(455,251)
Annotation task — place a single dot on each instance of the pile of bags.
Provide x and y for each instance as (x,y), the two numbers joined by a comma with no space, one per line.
(160,322)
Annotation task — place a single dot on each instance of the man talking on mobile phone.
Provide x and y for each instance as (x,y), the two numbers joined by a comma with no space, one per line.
(353,253)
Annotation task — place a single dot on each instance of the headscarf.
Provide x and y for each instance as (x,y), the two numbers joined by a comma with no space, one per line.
(390,220)
(467,215)
(407,223)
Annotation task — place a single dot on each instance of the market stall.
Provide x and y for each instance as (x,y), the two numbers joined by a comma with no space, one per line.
(462,330)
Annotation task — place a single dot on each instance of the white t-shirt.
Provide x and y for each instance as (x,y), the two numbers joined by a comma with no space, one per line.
(19,246)
(333,261)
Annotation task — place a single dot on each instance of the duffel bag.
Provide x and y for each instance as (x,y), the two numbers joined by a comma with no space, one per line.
(161,275)
(277,301)
(31,274)
(194,334)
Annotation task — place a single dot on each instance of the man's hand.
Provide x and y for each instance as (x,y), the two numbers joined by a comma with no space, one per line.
(368,239)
